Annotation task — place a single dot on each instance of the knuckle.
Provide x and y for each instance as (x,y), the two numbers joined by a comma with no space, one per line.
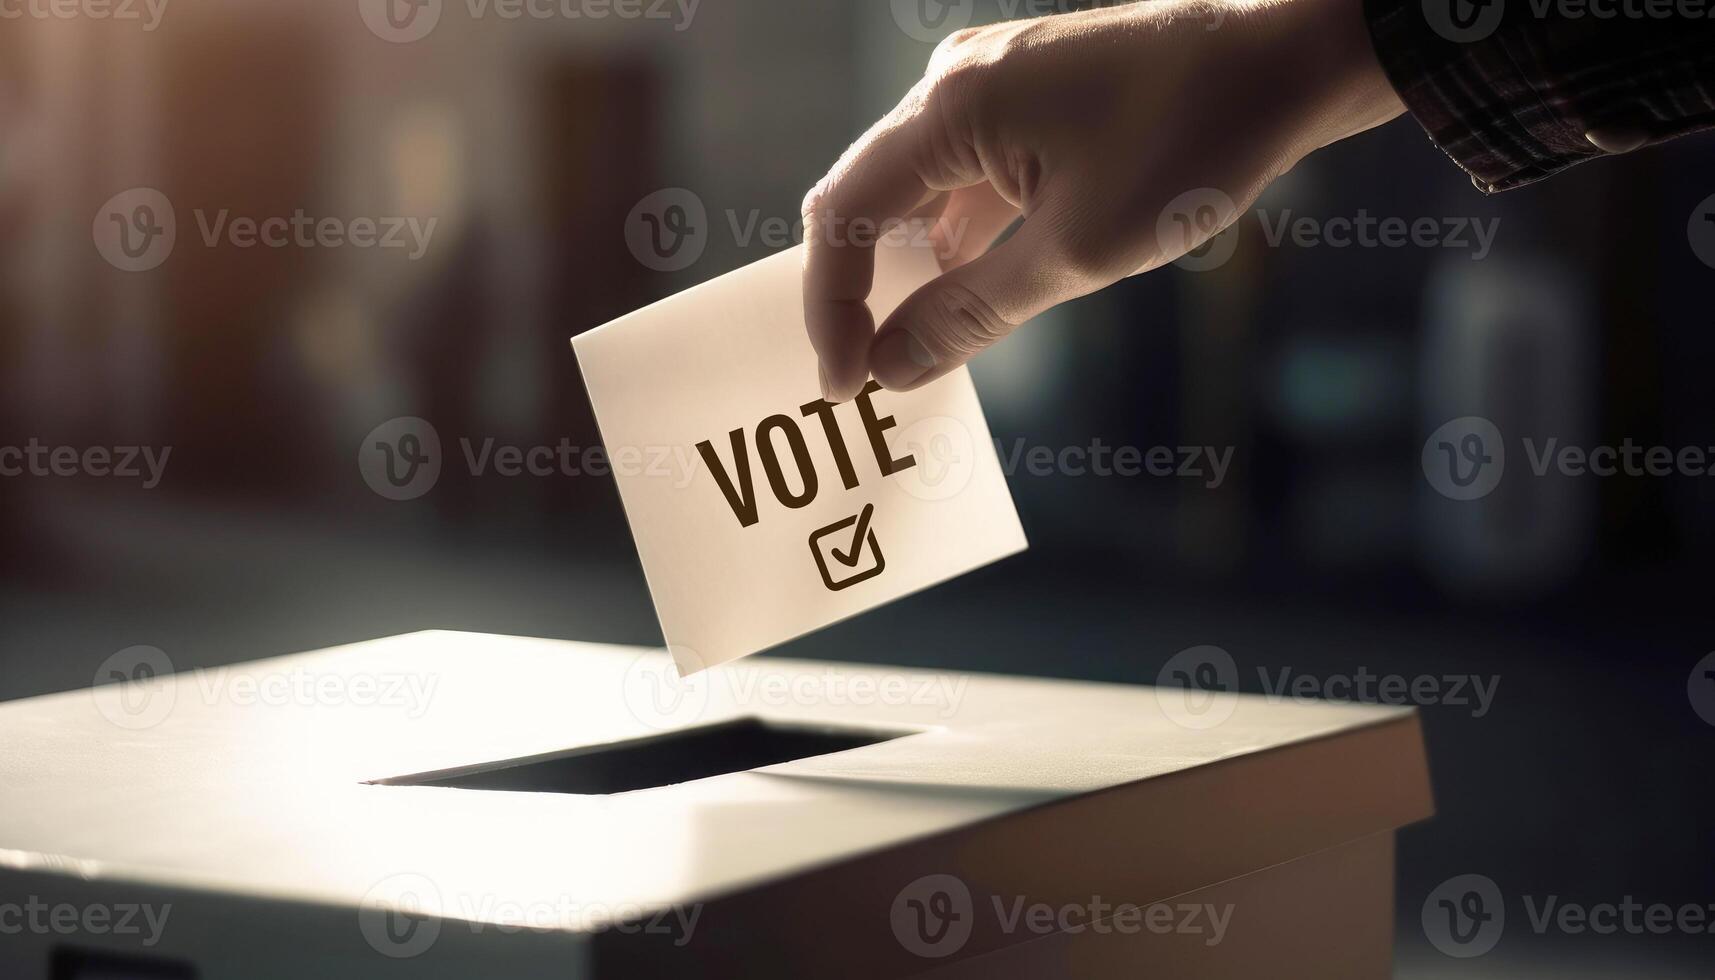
(955,40)
(979,65)
(812,202)
(956,79)
(961,323)
(962,58)
(956,96)
(1023,36)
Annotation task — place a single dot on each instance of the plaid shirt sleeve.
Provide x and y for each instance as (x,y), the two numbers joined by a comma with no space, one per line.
(1518,90)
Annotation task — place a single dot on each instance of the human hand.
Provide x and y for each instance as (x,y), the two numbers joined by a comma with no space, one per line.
(1088,124)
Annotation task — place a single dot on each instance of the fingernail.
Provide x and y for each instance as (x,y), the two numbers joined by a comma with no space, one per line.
(822,378)
(899,359)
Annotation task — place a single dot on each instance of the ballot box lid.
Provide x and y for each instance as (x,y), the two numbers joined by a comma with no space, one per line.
(489,774)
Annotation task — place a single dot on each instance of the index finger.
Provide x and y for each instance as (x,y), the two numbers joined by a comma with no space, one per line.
(877,180)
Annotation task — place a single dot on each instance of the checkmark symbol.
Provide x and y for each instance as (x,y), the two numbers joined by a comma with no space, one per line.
(850,557)
(844,565)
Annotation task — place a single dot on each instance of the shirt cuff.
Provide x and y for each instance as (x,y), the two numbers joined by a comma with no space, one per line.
(1515,96)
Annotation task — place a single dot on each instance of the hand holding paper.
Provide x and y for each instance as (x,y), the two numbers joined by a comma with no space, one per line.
(1083,124)
(795,512)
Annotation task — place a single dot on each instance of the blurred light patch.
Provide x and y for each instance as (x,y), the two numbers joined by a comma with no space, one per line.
(1330,387)
(425,168)
(336,339)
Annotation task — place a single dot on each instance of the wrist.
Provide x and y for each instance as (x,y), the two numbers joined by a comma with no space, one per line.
(1329,59)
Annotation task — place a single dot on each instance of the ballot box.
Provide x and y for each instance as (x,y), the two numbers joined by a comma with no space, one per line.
(462,805)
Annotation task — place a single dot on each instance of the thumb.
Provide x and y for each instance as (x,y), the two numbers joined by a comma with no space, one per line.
(949,320)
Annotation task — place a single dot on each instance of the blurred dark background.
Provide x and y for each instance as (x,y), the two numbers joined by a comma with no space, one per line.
(1325,549)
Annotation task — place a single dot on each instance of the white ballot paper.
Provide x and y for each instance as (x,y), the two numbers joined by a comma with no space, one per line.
(762,512)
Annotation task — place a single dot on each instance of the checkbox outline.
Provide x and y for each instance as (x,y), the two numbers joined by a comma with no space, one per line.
(822,558)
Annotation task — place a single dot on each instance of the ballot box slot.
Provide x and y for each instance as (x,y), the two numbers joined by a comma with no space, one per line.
(70,963)
(662,760)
